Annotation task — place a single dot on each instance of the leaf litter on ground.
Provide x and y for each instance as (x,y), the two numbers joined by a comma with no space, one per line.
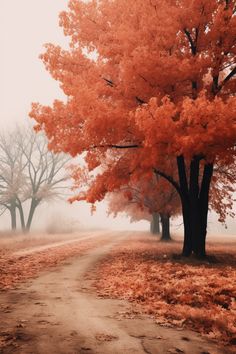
(15,269)
(181,293)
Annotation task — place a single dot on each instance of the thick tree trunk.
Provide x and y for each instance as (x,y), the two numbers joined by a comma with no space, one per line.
(33,206)
(165,227)
(187,245)
(22,217)
(195,202)
(13,217)
(155,224)
(204,202)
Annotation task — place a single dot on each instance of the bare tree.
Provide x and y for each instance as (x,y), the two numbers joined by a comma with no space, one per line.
(29,174)
(12,177)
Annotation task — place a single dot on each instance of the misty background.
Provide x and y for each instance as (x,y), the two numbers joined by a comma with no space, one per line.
(25,26)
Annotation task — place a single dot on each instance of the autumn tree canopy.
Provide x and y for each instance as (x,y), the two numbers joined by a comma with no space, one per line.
(147,84)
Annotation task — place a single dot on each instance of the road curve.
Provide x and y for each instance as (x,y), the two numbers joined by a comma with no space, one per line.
(59,313)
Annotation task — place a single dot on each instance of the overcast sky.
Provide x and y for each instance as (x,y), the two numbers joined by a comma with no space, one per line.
(25,25)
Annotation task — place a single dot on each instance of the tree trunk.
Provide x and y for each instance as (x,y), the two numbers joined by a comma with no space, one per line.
(165,227)
(204,202)
(187,245)
(195,202)
(33,206)
(13,216)
(155,224)
(22,217)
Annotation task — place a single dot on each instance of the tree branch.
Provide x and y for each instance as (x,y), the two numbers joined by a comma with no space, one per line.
(226,79)
(168,178)
(192,45)
(113,146)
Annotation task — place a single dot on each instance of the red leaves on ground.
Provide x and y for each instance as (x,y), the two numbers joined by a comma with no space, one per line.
(201,296)
(15,269)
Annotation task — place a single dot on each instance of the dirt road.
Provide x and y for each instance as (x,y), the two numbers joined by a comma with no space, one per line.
(59,312)
(29,250)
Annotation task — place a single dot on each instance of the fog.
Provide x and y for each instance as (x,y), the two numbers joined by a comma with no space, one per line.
(25,26)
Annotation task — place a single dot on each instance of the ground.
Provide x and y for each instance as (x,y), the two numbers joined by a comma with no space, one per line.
(52,299)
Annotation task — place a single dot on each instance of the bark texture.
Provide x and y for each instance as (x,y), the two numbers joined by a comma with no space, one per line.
(165,227)
(155,224)
(195,199)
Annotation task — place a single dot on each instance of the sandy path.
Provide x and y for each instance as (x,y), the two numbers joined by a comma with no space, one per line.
(60,313)
(49,245)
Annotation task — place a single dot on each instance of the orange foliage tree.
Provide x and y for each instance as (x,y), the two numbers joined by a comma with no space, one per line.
(149,83)
(149,200)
